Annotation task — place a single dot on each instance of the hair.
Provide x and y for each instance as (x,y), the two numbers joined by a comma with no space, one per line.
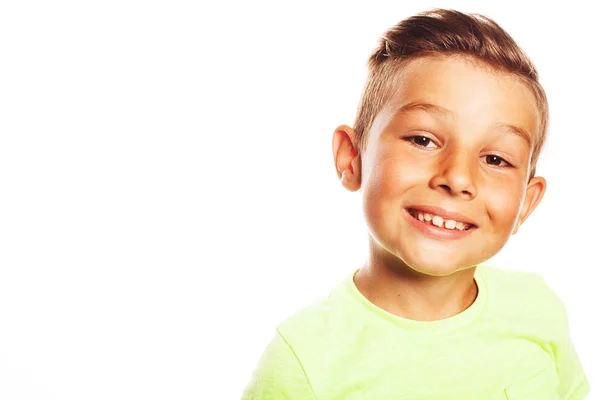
(445,33)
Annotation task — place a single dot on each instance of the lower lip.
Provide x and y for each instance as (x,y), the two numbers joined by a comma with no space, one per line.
(437,232)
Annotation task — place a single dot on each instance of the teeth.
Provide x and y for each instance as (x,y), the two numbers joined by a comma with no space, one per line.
(439,221)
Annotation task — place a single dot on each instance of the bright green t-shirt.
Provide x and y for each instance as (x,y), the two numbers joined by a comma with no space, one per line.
(511,343)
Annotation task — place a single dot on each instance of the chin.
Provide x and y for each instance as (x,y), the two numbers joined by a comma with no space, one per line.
(439,269)
(437,266)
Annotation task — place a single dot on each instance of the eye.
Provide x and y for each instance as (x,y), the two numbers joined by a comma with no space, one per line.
(421,141)
(496,161)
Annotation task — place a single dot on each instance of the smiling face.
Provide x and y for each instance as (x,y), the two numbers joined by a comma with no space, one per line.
(445,173)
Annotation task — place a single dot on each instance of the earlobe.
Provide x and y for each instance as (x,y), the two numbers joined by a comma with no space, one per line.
(533,195)
(346,157)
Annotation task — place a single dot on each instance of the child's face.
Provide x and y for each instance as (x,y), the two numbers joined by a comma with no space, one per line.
(461,152)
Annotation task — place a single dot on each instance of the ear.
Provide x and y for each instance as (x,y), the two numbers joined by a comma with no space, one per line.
(346,157)
(533,195)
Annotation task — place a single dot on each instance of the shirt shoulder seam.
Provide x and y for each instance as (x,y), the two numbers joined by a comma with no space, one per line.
(299,363)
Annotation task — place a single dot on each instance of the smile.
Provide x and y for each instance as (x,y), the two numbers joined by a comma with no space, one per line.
(440,222)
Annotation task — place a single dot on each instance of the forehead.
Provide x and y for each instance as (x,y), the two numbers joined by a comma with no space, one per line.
(465,92)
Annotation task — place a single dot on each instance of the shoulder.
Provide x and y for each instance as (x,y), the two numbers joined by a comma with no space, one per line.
(527,302)
(504,276)
(296,349)
(313,318)
(523,292)
(324,324)
(514,280)
(295,354)
(278,375)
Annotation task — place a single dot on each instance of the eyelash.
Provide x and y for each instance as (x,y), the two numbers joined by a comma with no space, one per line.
(503,162)
(411,139)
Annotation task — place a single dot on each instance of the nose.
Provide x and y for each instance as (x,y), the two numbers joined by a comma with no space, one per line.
(455,175)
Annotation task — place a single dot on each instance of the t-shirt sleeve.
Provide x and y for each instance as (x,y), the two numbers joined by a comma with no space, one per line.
(279,375)
(573,382)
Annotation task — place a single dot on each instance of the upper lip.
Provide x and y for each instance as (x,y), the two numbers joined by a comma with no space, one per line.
(444,214)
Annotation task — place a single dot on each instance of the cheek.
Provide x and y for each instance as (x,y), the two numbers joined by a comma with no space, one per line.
(385,190)
(393,174)
(503,202)
(384,185)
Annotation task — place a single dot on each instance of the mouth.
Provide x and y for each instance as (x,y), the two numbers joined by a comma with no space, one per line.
(447,223)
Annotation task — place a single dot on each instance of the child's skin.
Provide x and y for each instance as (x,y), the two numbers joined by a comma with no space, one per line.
(461,156)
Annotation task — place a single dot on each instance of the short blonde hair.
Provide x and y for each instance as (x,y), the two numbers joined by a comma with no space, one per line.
(445,32)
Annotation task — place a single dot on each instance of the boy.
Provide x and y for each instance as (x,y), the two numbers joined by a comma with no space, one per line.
(444,149)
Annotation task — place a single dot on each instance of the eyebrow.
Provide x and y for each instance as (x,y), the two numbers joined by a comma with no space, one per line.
(522,133)
(423,105)
(444,112)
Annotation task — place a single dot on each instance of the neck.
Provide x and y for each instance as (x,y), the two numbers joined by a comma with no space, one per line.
(400,290)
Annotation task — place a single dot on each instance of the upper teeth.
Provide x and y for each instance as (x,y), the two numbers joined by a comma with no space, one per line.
(441,222)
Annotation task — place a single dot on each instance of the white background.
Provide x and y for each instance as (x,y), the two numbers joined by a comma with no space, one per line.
(167,191)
